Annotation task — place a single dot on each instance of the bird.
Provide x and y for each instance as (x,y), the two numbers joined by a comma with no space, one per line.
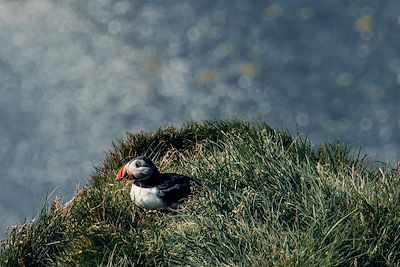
(153,190)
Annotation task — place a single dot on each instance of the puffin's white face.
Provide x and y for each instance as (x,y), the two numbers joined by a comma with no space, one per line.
(137,169)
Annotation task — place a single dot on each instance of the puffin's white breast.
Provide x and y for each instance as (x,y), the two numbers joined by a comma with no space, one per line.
(146,197)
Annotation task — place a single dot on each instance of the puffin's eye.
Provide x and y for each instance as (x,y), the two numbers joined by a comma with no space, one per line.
(137,164)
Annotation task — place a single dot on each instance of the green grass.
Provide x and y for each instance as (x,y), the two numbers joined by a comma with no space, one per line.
(268,199)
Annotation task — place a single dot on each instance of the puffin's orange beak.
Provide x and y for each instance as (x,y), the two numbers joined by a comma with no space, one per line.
(123,174)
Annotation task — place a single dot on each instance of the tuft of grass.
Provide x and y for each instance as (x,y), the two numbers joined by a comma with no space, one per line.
(268,199)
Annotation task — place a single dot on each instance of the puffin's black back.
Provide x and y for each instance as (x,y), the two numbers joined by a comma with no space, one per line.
(174,187)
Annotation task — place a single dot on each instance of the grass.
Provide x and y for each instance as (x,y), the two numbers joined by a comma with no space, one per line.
(268,199)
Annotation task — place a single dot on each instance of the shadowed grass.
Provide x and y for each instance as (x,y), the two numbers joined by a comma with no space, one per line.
(268,199)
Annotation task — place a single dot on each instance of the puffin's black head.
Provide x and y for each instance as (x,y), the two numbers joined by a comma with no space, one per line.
(138,169)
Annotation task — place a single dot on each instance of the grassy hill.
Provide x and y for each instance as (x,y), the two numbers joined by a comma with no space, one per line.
(268,200)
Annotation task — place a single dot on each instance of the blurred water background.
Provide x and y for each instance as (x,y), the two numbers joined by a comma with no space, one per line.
(76,75)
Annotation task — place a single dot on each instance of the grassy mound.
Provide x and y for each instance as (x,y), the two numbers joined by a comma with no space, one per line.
(268,199)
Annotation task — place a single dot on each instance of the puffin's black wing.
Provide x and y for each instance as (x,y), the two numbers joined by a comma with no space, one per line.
(174,187)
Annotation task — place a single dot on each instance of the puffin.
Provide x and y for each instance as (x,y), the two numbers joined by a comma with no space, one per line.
(151,189)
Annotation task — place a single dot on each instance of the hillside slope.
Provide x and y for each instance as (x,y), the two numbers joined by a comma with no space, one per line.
(268,199)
